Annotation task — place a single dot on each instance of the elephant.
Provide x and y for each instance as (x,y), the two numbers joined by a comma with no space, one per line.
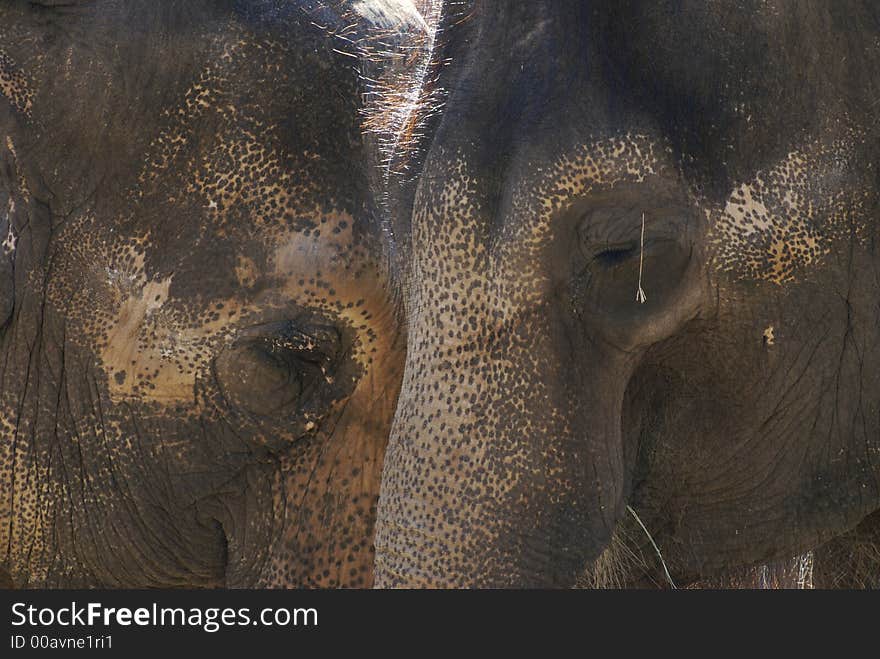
(304,293)
(200,342)
(640,275)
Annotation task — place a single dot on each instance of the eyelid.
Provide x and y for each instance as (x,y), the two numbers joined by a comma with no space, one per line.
(318,344)
(596,250)
(292,330)
(615,224)
(603,225)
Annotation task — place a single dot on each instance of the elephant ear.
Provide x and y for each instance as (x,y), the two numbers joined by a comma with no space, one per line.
(394,51)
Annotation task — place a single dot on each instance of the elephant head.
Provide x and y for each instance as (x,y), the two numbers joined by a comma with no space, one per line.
(640,280)
(200,346)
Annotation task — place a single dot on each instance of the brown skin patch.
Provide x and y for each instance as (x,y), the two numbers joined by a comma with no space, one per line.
(245,271)
(786,219)
(14,85)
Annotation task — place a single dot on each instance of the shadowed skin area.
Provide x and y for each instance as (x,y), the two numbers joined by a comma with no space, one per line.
(195,300)
(736,410)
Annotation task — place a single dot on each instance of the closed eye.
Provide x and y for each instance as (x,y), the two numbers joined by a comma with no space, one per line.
(51,4)
(616,254)
(278,367)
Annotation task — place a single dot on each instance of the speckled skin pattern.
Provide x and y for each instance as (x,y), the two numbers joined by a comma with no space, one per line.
(227,285)
(200,350)
(738,409)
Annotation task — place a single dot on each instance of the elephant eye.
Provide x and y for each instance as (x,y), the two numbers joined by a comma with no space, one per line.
(52,4)
(615,255)
(276,368)
(635,263)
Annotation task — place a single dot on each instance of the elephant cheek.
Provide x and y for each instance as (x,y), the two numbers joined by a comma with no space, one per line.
(504,467)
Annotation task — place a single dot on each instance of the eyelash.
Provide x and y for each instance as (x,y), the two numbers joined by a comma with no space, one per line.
(616,254)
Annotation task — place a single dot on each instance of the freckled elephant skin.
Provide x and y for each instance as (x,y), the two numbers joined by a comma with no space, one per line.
(276,289)
(200,345)
(737,409)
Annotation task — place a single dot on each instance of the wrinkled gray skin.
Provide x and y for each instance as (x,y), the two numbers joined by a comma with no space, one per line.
(736,410)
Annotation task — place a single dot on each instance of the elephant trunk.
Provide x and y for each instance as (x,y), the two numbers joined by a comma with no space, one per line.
(505,463)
